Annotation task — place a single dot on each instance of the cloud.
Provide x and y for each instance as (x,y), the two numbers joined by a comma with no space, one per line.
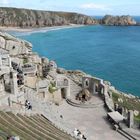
(95,6)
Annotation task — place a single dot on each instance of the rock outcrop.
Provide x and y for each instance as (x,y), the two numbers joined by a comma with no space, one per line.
(34,18)
(14,45)
(138,24)
(117,20)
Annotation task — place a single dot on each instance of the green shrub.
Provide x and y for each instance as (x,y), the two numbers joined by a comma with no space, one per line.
(52,88)
(25,60)
(115,96)
(129,103)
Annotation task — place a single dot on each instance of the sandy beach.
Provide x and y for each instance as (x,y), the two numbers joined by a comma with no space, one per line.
(29,30)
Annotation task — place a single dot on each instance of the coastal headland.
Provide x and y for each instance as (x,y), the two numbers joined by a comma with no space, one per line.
(27,18)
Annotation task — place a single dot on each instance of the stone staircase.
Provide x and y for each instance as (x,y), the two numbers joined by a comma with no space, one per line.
(3,135)
(94,105)
(126,135)
(48,110)
(35,127)
(74,88)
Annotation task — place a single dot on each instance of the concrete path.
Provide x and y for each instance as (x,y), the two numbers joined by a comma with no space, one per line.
(91,122)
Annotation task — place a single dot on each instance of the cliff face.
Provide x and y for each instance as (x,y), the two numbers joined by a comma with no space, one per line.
(118,20)
(33,18)
(13,17)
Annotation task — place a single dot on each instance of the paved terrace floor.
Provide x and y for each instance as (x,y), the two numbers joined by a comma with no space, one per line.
(91,122)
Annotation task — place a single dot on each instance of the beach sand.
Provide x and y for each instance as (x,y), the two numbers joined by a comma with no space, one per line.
(18,29)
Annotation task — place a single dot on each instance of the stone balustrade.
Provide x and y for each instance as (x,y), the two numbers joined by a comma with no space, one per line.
(62,84)
(31,69)
(4,69)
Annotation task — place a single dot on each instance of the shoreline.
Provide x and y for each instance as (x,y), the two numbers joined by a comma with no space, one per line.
(39,29)
(29,31)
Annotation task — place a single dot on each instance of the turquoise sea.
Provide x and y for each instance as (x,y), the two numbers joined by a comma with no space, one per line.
(111,53)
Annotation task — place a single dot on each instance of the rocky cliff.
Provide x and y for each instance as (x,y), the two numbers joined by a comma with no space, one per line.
(25,18)
(34,18)
(118,20)
(14,45)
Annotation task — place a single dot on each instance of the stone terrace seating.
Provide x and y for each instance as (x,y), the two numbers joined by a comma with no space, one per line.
(3,135)
(35,127)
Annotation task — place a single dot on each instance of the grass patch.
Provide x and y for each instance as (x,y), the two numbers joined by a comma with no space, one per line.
(25,60)
(129,103)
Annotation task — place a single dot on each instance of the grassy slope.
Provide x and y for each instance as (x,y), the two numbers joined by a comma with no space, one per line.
(129,103)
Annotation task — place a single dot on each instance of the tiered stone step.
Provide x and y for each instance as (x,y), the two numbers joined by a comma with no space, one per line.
(127,135)
(14,128)
(80,105)
(74,88)
(43,123)
(3,136)
(35,127)
(36,131)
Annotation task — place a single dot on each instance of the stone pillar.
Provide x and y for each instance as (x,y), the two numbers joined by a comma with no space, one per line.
(68,90)
(13,82)
(9,102)
(86,83)
(37,87)
(9,61)
(121,110)
(130,118)
(116,107)
(0,61)
(94,88)
(102,90)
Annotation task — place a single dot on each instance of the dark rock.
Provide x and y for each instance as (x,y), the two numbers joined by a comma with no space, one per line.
(138,24)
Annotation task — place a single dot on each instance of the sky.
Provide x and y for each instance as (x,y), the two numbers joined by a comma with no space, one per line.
(88,7)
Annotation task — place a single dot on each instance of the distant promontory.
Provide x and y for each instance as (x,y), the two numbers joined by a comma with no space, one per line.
(26,18)
(118,20)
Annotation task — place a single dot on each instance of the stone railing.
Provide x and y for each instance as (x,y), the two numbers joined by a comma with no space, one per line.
(31,69)
(4,69)
(5,63)
(108,101)
(62,84)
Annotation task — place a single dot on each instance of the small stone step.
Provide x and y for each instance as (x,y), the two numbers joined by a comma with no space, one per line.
(126,135)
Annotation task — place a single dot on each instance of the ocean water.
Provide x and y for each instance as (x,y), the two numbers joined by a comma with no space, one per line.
(108,52)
